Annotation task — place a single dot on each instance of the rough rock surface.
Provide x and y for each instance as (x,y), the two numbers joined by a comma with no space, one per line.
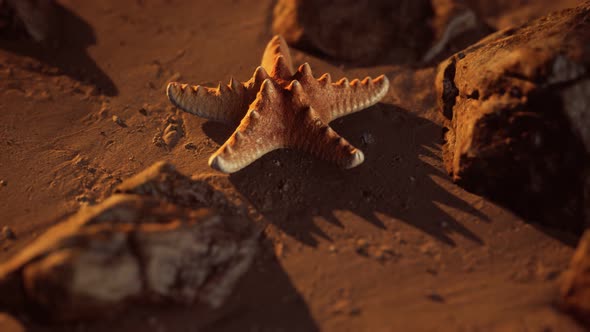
(129,249)
(575,289)
(162,181)
(334,28)
(387,30)
(518,117)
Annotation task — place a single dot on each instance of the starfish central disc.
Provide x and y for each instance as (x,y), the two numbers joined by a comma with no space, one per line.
(280,108)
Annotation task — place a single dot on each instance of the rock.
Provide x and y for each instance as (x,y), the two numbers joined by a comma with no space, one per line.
(173,132)
(148,243)
(104,110)
(367,138)
(361,246)
(334,28)
(455,26)
(518,121)
(387,31)
(506,13)
(172,135)
(129,248)
(116,119)
(163,182)
(8,233)
(190,146)
(575,287)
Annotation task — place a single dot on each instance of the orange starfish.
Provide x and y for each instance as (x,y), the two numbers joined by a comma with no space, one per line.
(280,108)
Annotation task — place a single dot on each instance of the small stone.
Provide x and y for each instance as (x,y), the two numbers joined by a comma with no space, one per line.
(3,183)
(332,248)
(361,246)
(84,199)
(118,121)
(384,253)
(143,111)
(436,297)
(190,146)
(345,307)
(157,140)
(104,110)
(171,138)
(367,138)
(8,233)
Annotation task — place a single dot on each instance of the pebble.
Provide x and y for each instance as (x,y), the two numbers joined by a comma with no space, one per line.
(345,307)
(435,297)
(118,121)
(8,233)
(367,138)
(361,246)
(171,138)
(3,183)
(104,110)
(384,253)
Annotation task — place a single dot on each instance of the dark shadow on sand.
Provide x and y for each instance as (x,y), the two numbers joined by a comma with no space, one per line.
(70,55)
(290,188)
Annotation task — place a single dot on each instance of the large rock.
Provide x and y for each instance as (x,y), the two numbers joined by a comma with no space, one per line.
(130,249)
(517,106)
(371,31)
(575,288)
(352,29)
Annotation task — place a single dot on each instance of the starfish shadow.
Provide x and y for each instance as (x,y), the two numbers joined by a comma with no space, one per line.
(291,189)
(70,57)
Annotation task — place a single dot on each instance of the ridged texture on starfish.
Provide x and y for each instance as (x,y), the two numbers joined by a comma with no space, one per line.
(283,109)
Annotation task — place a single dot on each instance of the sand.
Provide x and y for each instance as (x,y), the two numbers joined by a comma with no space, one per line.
(391,245)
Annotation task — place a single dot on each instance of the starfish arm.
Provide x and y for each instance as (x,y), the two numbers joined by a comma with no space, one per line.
(226,103)
(343,97)
(276,48)
(323,142)
(256,135)
(352,97)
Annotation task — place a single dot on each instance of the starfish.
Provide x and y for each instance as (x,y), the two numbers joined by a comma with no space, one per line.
(280,108)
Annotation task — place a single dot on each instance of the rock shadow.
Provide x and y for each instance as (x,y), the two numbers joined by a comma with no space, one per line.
(290,189)
(69,55)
